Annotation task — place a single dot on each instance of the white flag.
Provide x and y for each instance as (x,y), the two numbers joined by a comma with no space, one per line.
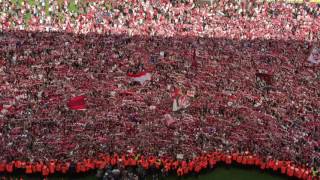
(314,56)
(141,77)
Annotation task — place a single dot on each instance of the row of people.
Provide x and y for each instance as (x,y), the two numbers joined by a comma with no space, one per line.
(181,167)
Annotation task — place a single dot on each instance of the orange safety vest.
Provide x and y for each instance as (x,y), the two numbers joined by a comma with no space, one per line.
(133,162)
(83,167)
(151,160)
(305,174)
(113,161)
(204,164)
(158,164)
(52,167)
(39,167)
(244,160)
(197,169)
(212,162)
(234,156)
(180,171)
(23,164)
(64,168)
(283,168)
(9,168)
(125,162)
(271,164)
(175,164)
(229,159)
(17,164)
(78,169)
(58,167)
(191,166)
(45,171)
(29,169)
(257,161)
(223,157)
(145,165)
(263,166)
(277,165)
(290,171)
(250,160)
(2,167)
(167,167)
(34,168)
(239,159)
(298,172)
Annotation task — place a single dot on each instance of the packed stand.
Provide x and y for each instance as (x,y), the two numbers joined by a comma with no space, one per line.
(160,79)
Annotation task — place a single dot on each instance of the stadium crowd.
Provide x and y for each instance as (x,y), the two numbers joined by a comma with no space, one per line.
(163,80)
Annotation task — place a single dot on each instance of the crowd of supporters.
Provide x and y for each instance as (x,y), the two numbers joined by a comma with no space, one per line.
(161,79)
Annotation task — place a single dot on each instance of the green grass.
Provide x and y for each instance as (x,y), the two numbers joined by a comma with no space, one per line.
(220,173)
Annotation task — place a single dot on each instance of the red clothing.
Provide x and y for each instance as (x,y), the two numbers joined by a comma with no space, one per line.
(29,169)
(45,171)
(9,168)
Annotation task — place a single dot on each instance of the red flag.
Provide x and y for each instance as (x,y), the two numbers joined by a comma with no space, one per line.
(77,103)
(194,61)
(140,77)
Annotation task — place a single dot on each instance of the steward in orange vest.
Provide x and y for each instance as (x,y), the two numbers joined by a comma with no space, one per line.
(17,164)
(212,162)
(270,164)
(65,168)
(297,172)
(9,167)
(45,171)
(244,160)
(180,171)
(234,156)
(257,161)
(167,167)
(184,166)
(58,167)
(151,160)
(38,167)
(290,170)
(52,167)
(229,159)
(263,166)
(306,174)
(197,169)
(191,166)
(283,167)
(239,159)
(276,165)
(250,160)
(145,164)
(158,164)
(2,166)
(175,165)
(28,168)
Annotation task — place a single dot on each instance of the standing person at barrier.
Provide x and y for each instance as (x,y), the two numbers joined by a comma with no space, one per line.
(290,170)
(45,171)
(229,160)
(283,167)
(52,167)
(9,167)
(29,168)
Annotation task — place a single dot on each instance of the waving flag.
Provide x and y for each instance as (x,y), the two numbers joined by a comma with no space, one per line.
(77,103)
(140,77)
(315,56)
